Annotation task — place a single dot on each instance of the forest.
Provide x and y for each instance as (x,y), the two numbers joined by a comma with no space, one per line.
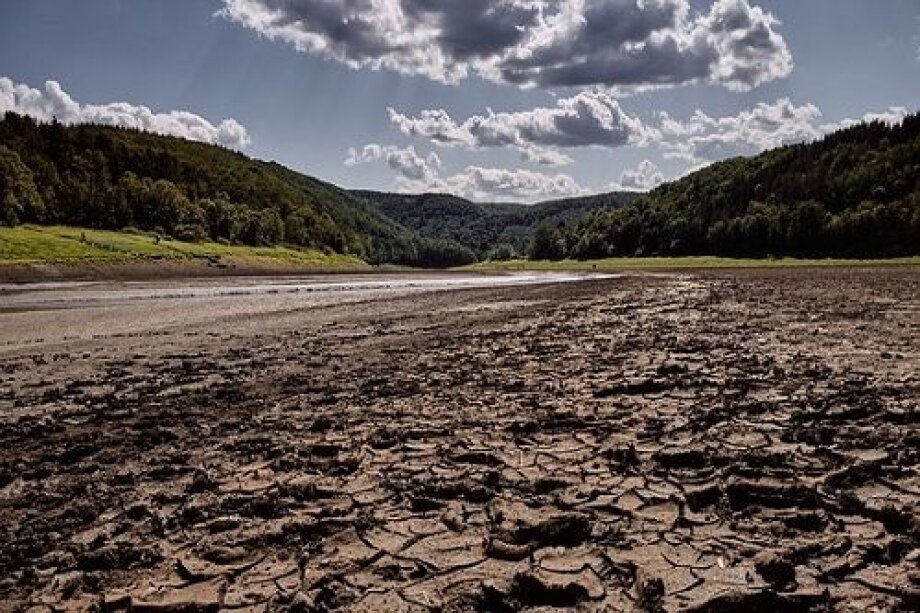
(855,193)
(116,178)
(493,231)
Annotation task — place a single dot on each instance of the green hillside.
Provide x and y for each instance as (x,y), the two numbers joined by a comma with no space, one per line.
(113,178)
(855,193)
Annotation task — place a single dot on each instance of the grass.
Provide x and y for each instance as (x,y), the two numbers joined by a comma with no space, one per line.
(68,245)
(694,262)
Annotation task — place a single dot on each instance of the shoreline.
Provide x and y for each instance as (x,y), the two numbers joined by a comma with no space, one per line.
(39,272)
(193,268)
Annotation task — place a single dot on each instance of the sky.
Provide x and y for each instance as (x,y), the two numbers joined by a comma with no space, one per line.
(512,100)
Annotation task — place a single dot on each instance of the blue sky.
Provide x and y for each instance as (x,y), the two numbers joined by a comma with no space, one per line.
(629,112)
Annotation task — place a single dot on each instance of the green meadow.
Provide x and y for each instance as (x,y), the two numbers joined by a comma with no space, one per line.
(671,263)
(67,245)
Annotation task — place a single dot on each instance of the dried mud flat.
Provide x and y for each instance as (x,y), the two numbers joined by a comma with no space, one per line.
(733,441)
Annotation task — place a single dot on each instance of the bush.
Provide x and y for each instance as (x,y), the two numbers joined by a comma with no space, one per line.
(190,233)
(502,253)
(548,244)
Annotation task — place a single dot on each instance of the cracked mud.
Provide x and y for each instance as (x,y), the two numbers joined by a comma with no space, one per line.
(707,442)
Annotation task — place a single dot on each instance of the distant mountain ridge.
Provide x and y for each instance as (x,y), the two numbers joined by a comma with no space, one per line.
(491,230)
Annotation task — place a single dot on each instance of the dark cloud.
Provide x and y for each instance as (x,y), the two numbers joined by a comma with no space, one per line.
(586,119)
(625,45)
(474,28)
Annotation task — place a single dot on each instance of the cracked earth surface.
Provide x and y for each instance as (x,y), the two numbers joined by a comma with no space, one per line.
(711,442)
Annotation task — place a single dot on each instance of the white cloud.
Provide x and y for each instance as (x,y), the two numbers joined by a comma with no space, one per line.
(644,177)
(626,45)
(55,102)
(419,173)
(594,119)
(586,119)
(893,115)
(406,161)
(503,183)
(764,126)
(574,122)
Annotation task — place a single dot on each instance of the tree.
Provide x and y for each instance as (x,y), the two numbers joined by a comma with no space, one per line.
(19,198)
(295,230)
(548,244)
(272,227)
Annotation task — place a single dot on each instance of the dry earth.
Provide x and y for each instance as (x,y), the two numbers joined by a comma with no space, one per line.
(732,441)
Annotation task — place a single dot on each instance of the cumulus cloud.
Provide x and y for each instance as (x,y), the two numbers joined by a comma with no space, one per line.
(644,177)
(55,102)
(406,161)
(893,115)
(586,119)
(503,183)
(417,173)
(594,119)
(764,126)
(591,119)
(626,45)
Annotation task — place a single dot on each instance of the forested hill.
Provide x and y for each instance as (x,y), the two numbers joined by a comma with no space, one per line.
(856,193)
(491,230)
(114,178)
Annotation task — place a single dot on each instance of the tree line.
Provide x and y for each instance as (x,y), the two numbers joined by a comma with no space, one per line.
(855,193)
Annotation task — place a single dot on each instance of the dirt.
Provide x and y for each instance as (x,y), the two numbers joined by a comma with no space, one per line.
(732,441)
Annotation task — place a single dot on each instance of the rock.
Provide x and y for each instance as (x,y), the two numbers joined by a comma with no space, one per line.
(775,569)
(118,557)
(762,602)
(501,550)
(683,458)
(453,518)
(300,603)
(532,591)
(482,458)
(568,530)
(201,482)
(651,594)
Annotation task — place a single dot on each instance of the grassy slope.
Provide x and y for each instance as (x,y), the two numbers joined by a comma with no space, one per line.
(617,264)
(60,244)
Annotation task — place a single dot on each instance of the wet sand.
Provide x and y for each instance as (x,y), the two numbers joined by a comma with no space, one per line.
(737,440)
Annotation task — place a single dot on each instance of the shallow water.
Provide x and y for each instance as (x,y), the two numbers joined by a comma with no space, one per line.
(50,312)
(78,294)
